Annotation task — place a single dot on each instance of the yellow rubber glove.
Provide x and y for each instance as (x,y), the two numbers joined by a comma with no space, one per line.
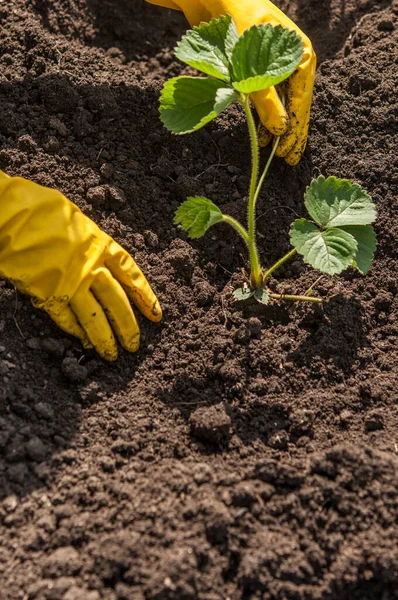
(291,124)
(77,273)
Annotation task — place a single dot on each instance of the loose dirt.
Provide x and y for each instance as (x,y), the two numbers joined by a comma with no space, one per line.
(243,453)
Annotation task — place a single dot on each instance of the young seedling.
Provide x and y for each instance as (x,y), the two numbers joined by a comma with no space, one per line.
(340,232)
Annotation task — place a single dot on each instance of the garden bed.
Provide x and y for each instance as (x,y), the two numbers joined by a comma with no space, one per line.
(244,452)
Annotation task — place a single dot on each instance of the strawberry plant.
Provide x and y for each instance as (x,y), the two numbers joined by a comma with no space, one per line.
(339,232)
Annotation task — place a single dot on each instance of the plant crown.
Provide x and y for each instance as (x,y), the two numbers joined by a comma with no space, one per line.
(339,233)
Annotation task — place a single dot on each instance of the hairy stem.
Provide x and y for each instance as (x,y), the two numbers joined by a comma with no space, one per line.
(237,226)
(255,269)
(279,263)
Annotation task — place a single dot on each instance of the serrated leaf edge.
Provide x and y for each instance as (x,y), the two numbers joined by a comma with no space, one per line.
(323,179)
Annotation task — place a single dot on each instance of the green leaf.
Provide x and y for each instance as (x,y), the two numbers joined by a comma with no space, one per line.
(334,202)
(188,103)
(231,39)
(243,293)
(330,251)
(366,240)
(264,56)
(196,215)
(208,46)
(261,295)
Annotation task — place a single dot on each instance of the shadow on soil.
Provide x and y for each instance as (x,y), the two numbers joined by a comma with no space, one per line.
(124,24)
(121,24)
(40,405)
(335,335)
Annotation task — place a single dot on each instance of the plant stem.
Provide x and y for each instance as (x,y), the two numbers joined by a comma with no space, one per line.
(295,298)
(237,226)
(264,173)
(255,269)
(278,264)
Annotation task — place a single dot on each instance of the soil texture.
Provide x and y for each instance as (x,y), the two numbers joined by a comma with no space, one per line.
(244,452)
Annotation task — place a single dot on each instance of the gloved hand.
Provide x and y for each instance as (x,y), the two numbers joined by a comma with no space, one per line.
(77,273)
(291,124)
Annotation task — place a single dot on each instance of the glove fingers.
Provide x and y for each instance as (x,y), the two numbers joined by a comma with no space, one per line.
(264,136)
(286,144)
(94,322)
(66,320)
(130,276)
(293,157)
(117,307)
(271,111)
(299,96)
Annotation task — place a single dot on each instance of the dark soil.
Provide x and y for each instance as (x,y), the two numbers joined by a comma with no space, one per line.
(243,453)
